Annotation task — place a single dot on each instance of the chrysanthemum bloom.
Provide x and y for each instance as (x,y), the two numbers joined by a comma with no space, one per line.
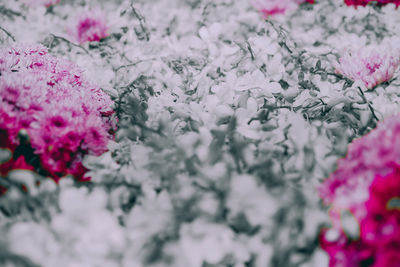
(371,64)
(273,7)
(47,103)
(357,2)
(371,155)
(378,242)
(366,185)
(46,3)
(88,26)
(366,2)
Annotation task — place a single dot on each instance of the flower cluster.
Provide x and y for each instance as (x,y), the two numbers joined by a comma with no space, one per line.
(365,190)
(378,240)
(270,8)
(46,104)
(88,26)
(371,64)
(366,2)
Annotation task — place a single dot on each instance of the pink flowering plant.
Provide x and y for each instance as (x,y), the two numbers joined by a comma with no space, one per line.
(227,124)
(366,2)
(372,65)
(88,26)
(378,241)
(48,105)
(365,188)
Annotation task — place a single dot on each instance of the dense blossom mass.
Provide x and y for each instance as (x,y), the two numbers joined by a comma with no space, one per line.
(47,103)
(371,65)
(88,26)
(378,240)
(366,2)
(365,191)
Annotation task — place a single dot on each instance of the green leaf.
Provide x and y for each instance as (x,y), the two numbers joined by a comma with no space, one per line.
(318,65)
(301,76)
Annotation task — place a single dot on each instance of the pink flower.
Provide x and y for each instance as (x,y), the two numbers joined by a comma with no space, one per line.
(344,252)
(376,153)
(88,26)
(64,115)
(357,2)
(366,2)
(273,7)
(372,64)
(96,136)
(379,241)
(382,223)
(366,184)
(78,170)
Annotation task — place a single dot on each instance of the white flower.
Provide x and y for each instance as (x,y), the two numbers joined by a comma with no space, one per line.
(205,242)
(251,199)
(372,64)
(84,232)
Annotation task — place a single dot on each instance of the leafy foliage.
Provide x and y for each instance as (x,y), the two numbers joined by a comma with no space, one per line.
(226,126)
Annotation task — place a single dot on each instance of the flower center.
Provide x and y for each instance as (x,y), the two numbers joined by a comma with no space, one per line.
(393,204)
(372,67)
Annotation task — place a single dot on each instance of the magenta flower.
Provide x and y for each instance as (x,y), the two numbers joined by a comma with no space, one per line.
(381,226)
(371,65)
(366,185)
(272,7)
(366,2)
(64,115)
(88,26)
(378,243)
(373,154)
(343,252)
